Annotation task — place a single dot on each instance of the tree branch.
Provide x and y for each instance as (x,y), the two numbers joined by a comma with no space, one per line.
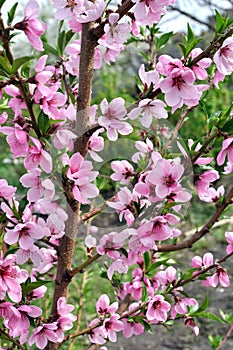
(202,232)
(227,336)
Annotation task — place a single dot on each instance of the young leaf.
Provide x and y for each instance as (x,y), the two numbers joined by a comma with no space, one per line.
(219,22)
(1,3)
(69,36)
(61,42)
(49,49)
(11,13)
(18,62)
(146,258)
(5,65)
(160,42)
(28,287)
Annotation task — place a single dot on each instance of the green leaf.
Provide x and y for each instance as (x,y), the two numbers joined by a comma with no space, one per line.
(146,326)
(210,316)
(69,36)
(220,21)
(5,64)
(144,293)
(43,122)
(11,13)
(228,318)
(28,287)
(1,3)
(18,62)
(160,42)
(183,49)
(2,218)
(61,42)
(146,258)
(12,250)
(214,118)
(49,49)
(157,264)
(191,34)
(203,307)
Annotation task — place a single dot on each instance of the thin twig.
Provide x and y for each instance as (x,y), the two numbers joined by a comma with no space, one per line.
(227,336)
(199,233)
(15,342)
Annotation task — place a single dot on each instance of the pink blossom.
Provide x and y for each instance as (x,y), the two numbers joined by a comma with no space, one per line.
(167,65)
(3,118)
(229,238)
(25,234)
(72,65)
(149,12)
(157,309)
(199,69)
(144,149)
(112,51)
(123,171)
(110,243)
(223,58)
(38,156)
(204,180)
(37,188)
(179,89)
(149,79)
(220,276)
(90,241)
(46,87)
(124,205)
(36,293)
(10,279)
(92,11)
(17,103)
(32,27)
(6,191)
(42,334)
(207,260)
(80,173)
(65,319)
(19,324)
(63,138)
(166,177)
(116,32)
(51,103)
(32,253)
(166,277)
(17,139)
(135,286)
(48,260)
(113,118)
(181,306)
(103,306)
(213,194)
(149,109)
(218,77)
(112,325)
(7,310)
(96,144)
(131,328)
(118,265)
(189,323)
(66,8)
(227,149)
(96,335)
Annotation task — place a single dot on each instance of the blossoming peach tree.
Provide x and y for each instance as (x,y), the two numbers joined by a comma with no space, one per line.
(64,143)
